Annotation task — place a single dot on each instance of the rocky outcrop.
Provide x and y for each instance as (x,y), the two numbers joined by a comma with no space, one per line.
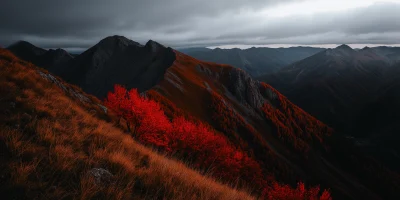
(101,176)
(245,89)
(69,90)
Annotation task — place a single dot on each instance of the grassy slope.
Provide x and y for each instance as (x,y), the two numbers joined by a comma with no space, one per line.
(49,140)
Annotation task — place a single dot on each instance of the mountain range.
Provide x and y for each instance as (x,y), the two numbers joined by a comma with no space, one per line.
(288,144)
(255,61)
(352,91)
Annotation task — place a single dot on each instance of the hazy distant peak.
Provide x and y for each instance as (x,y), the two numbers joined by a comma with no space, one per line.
(342,50)
(344,47)
(365,48)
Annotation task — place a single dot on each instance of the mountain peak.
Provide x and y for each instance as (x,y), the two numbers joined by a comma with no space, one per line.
(24,46)
(21,43)
(365,48)
(344,47)
(59,53)
(117,40)
(342,50)
(154,46)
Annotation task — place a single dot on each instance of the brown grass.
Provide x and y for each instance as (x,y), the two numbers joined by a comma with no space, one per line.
(49,141)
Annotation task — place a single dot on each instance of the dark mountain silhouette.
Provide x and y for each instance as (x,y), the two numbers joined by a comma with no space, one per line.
(117,60)
(356,92)
(378,123)
(26,50)
(333,84)
(48,59)
(114,60)
(288,143)
(255,61)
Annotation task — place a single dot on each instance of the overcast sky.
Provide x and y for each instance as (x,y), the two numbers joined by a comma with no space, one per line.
(79,24)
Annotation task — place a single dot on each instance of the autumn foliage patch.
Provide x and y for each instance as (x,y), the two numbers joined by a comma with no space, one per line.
(277,191)
(194,141)
(191,140)
(294,126)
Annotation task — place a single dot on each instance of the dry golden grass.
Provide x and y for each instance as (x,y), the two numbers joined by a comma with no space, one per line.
(49,141)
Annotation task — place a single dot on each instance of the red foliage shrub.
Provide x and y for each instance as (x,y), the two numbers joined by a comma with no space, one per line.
(144,116)
(277,191)
(194,141)
(206,148)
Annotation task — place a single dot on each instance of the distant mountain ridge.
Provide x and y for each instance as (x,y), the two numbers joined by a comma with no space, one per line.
(255,61)
(341,76)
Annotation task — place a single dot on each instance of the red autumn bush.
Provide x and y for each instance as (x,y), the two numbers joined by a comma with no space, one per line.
(141,116)
(193,141)
(284,192)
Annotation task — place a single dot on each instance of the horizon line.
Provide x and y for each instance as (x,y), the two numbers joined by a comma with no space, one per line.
(326,46)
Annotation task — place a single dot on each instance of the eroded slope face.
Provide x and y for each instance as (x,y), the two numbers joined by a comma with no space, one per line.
(289,143)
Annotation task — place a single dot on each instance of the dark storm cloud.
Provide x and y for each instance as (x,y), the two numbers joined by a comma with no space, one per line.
(373,24)
(91,20)
(177,23)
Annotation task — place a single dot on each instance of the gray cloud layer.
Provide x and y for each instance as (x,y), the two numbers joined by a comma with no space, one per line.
(179,23)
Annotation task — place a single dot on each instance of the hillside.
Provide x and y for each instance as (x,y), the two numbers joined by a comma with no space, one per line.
(278,138)
(355,92)
(255,61)
(382,114)
(255,125)
(56,142)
